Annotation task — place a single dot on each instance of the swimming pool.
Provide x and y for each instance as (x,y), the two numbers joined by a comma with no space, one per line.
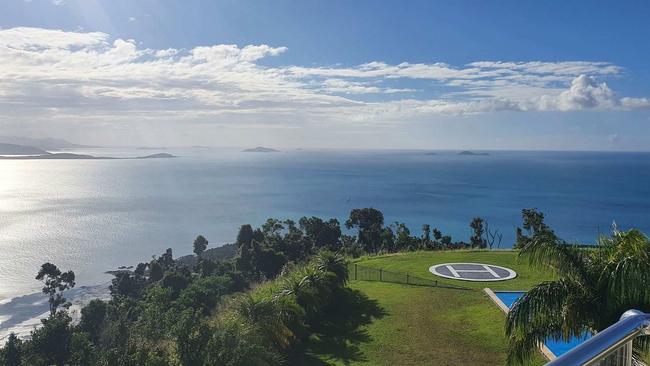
(558,347)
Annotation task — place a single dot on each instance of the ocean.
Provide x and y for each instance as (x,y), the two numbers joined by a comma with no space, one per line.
(95,215)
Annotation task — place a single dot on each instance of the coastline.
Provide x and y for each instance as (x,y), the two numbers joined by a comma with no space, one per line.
(21,314)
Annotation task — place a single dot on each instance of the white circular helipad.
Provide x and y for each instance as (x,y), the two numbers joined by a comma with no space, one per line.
(473,272)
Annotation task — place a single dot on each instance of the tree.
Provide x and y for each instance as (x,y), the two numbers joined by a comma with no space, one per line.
(12,353)
(594,287)
(203,294)
(245,259)
(200,243)
(55,283)
(156,271)
(437,234)
(92,319)
(176,281)
(323,234)
(140,269)
(426,236)
(269,262)
(167,260)
(476,239)
(533,220)
(387,239)
(492,236)
(50,344)
(403,238)
(245,235)
(533,223)
(369,222)
(126,285)
(82,351)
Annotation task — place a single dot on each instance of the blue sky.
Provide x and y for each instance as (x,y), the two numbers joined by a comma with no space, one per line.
(416,74)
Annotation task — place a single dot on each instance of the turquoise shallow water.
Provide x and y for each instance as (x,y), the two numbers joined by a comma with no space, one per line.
(558,347)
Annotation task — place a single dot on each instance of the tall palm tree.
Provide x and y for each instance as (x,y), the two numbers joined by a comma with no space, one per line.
(594,287)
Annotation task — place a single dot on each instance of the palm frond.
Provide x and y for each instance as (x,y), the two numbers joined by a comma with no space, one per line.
(558,309)
(566,260)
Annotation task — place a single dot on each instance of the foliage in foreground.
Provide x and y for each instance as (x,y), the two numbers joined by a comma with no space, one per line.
(594,288)
(185,318)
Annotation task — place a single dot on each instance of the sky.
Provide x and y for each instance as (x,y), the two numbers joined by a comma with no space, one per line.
(552,75)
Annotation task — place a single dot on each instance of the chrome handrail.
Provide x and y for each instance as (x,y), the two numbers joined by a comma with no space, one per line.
(633,323)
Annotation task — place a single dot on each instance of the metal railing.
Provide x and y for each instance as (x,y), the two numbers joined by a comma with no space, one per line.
(610,347)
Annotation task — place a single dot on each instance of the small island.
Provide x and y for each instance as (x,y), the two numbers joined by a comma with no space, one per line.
(471,153)
(157,156)
(261,149)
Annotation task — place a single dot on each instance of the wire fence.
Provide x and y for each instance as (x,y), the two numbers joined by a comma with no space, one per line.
(363,273)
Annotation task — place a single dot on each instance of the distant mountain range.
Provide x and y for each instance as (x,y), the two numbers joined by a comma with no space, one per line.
(42,143)
(13,149)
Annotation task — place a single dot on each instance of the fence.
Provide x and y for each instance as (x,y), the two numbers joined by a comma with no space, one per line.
(363,273)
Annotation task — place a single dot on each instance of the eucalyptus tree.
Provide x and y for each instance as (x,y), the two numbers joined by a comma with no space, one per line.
(56,282)
(369,222)
(200,244)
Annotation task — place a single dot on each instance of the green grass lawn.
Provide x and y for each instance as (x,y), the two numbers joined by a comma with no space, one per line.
(417,325)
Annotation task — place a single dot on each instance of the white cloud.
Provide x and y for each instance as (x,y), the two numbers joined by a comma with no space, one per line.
(586,93)
(132,19)
(169,52)
(58,2)
(80,75)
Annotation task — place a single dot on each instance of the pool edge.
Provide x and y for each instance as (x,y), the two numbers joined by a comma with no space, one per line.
(542,347)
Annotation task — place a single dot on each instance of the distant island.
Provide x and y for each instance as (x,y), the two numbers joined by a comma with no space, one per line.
(157,156)
(44,155)
(261,149)
(431,154)
(471,153)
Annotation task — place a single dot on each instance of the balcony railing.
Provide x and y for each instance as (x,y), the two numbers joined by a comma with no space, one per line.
(612,346)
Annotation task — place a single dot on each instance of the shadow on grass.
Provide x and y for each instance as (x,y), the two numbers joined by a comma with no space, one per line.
(336,338)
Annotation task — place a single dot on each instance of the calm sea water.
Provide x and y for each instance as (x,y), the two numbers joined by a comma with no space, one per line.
(95,215)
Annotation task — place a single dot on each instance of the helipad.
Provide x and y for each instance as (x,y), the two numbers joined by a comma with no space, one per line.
(473,272)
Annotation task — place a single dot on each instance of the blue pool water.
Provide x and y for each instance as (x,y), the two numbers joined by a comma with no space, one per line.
(558,347)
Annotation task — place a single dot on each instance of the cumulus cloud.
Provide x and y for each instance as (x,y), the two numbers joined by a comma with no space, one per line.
(90,75)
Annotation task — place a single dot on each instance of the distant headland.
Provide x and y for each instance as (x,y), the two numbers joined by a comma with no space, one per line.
(261,149)
(18,152)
